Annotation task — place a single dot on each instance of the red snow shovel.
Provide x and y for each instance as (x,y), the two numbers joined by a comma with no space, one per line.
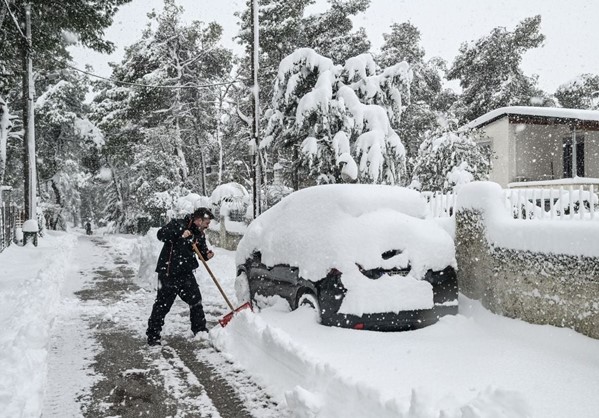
(227,318)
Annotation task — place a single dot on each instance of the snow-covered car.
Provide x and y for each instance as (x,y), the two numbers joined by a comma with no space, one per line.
(364,256)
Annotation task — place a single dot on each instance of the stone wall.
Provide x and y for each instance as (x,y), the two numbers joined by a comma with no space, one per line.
(560,290)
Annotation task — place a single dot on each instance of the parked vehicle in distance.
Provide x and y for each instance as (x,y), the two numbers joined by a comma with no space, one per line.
(363,256)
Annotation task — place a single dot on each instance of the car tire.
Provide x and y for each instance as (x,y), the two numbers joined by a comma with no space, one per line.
(310,300)
(242,288)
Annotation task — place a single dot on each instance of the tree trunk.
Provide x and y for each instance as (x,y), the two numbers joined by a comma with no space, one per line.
(202,161)
(295,169)
(4,129)
(117,189)
(179,150)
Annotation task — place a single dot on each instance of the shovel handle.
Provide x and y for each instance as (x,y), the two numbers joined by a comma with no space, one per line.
(222,292)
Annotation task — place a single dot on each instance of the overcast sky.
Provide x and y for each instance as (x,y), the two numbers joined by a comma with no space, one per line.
(570,26)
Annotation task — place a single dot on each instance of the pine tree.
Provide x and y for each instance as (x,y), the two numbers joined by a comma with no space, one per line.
(332,34)
(54,25)
(580,93)
(489,70)
(162,138)
(64,137)
(429,101)
(324,117)
(183,57)
(284,27)
(447,159)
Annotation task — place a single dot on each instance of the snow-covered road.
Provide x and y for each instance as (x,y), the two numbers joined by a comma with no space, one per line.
(74,313)
(98,363)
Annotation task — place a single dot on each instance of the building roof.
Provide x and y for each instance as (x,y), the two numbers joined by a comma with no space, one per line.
(535,112)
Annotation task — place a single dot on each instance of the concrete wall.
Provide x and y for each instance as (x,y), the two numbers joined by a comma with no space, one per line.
(541,288)
(498,132)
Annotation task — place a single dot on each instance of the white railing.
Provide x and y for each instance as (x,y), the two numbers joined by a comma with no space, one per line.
(440,205)
(571,202)
(564,203)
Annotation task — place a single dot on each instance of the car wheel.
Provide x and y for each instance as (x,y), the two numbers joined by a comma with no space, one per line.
(242,288)
(309,300)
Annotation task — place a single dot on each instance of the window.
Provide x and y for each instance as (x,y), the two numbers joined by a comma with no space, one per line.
(567,157)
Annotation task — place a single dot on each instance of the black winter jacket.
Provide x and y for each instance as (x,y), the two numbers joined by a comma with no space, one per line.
(177,255)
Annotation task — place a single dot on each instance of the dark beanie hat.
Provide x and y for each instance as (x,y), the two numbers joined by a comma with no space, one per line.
(203,213)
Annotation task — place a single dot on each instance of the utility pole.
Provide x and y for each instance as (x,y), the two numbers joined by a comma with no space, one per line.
(254,147)
(30,170)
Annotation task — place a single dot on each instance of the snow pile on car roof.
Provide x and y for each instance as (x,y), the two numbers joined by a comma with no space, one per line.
(336,226)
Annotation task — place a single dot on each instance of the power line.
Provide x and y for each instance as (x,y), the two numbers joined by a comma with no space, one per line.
(200,86)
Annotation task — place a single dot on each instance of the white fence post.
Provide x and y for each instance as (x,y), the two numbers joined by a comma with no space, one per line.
(571,203)
(592,201)
(580,202)
(561,202)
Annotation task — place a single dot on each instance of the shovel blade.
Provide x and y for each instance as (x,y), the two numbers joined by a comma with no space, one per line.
(227,318)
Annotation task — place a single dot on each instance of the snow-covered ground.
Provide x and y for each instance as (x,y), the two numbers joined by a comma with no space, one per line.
(475,364)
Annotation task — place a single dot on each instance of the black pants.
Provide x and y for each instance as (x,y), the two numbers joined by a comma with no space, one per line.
(186,287)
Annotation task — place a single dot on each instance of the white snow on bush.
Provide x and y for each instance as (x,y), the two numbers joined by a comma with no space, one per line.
(30,225)
(86,129)
(228,190)
(190,202)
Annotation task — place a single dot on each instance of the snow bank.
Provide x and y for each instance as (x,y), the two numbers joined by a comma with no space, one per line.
(569,237)
(27,310)
(144,251)
(311,387)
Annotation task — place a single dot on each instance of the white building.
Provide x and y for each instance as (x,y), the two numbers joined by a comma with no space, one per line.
(543,145)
